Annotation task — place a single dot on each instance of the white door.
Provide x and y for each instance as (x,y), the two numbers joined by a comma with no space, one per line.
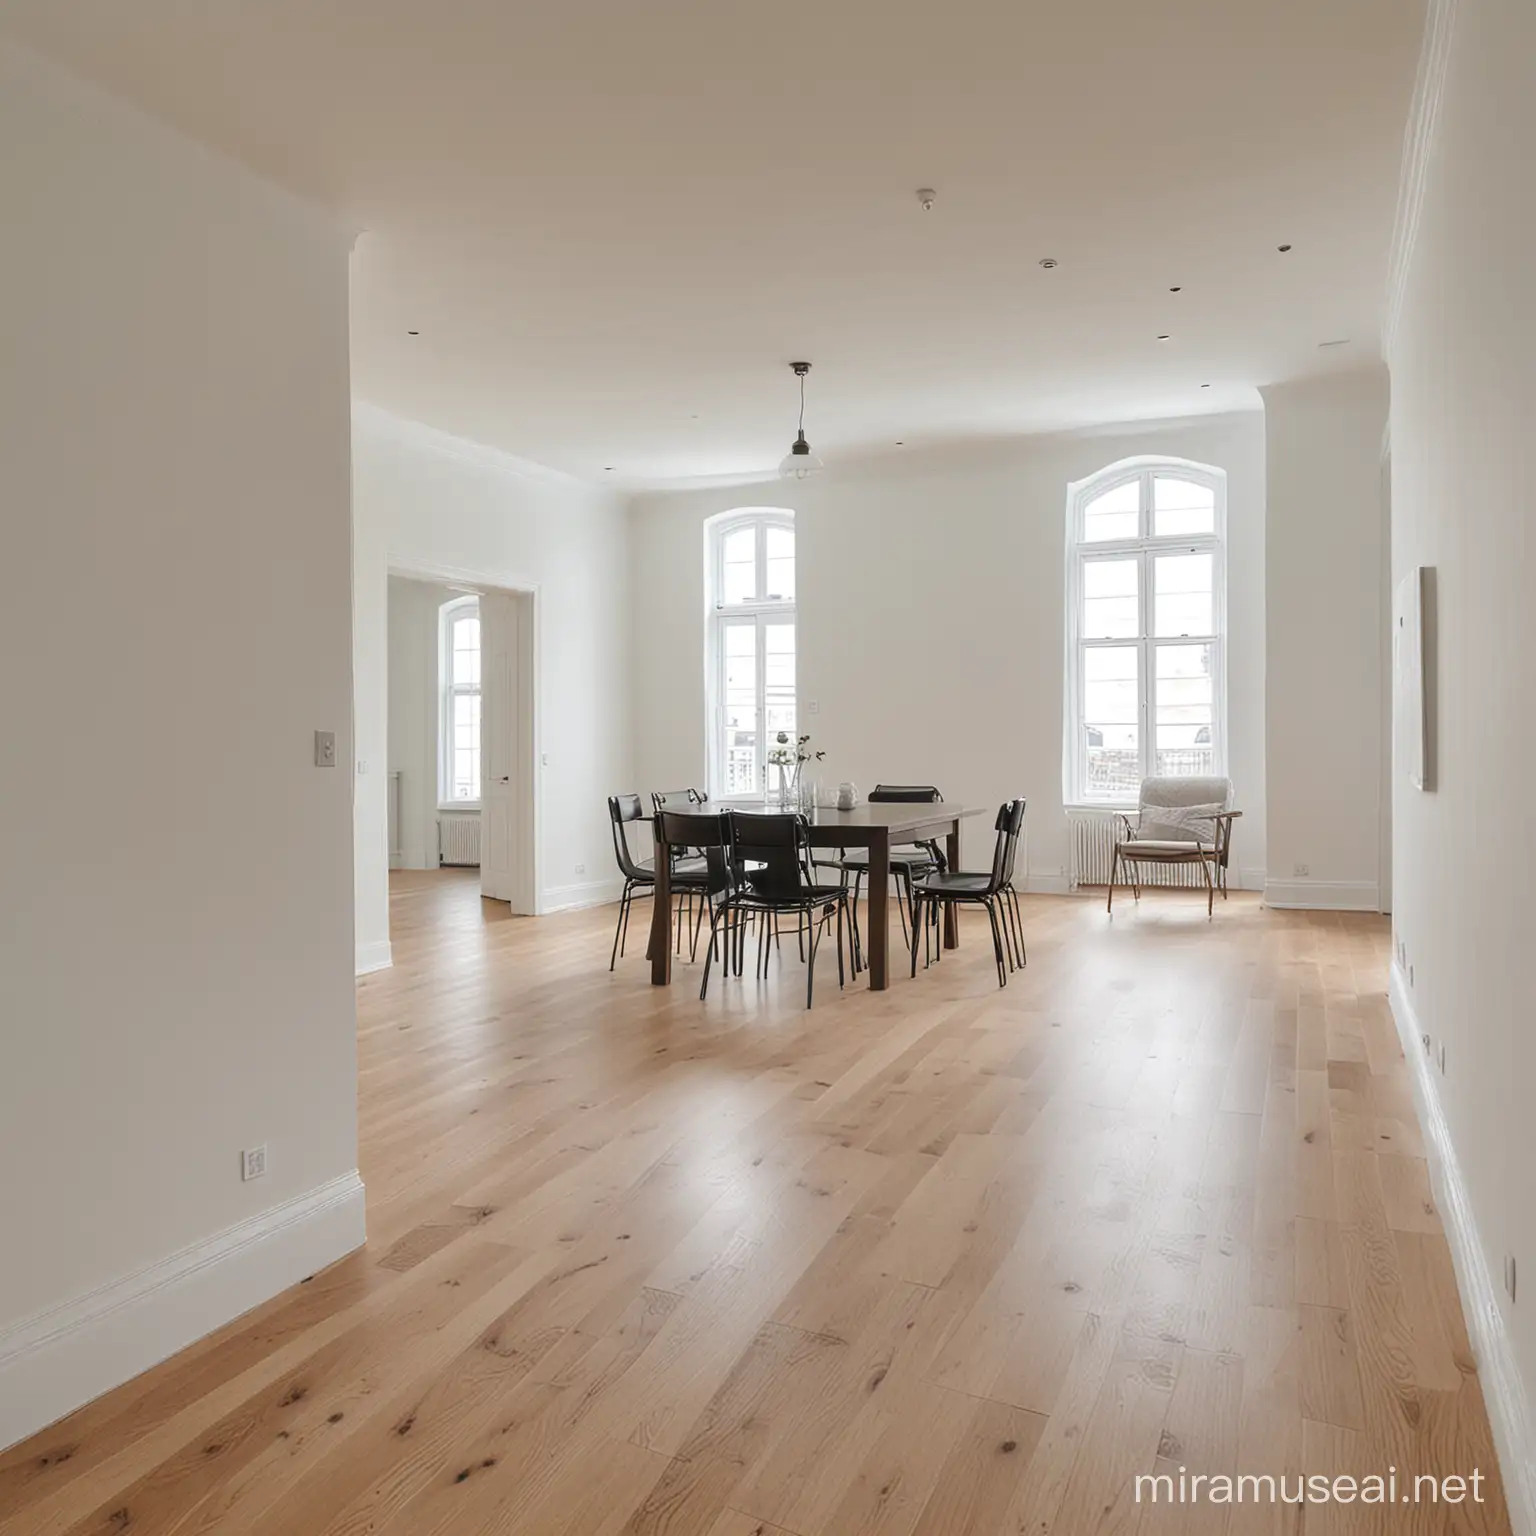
(501,773)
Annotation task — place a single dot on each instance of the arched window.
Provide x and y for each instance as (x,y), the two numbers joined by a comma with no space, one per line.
(1146,622)
(459,719)
(750,643)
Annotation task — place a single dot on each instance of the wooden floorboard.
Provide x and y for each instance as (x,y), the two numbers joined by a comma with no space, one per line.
(940,1260)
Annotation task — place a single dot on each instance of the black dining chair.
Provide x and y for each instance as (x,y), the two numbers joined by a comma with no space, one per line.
(703,880)
(767,877)
(640,875)
(684,858)
(913,862)
(989,890)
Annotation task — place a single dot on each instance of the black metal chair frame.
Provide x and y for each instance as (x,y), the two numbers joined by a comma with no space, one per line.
(639,875)
(994,892)
(765,875)
(921,860)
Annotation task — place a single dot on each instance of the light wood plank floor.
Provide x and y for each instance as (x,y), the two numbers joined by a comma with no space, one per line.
(945,1259)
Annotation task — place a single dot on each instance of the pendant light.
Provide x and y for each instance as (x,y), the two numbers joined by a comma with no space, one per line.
(800,463)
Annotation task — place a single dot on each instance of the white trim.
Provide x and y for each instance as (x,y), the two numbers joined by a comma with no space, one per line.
(376,956)
(415,434)
(588,893)
(1048,885)
(1323,895)
(449,689)
(1498,1374)
(1418,150)
(1144,548)
(53,1362)
(758,611)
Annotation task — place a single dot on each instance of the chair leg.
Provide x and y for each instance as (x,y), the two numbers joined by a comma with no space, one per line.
(842,907)
(723,911)
(618,927)
(1114,870)
(917,923)
(1210,890)
(693,944)
(1018,924)
(997,943)
(810,963)
(858,937)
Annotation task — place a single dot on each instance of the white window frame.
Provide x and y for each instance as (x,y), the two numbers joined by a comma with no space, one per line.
(760,611)
(1146,546)
(449,689)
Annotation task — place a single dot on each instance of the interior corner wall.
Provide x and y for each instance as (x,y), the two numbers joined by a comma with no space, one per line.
(1328,663)
(415,609)
(427,503)
(1463,470)
(175,892)
(931,618)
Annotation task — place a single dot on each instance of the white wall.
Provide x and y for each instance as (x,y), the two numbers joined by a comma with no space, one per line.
(1327,647)
(429,503)
(415,609)
(970,700)
(175,901)
(1463,471)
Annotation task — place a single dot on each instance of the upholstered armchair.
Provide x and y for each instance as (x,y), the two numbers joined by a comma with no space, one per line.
(1179,820)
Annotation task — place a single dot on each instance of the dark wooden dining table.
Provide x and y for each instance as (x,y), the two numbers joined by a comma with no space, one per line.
(874,828)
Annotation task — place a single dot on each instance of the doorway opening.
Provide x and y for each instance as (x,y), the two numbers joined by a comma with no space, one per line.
(462,755)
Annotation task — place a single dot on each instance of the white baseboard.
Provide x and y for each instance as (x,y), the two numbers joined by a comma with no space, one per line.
(57,1360)
(1503,1390)
(590,893)
(374,957)
(1048,885)
(1324,895)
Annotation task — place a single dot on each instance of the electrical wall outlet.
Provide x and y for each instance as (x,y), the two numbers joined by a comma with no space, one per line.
(253,1162)
(1442,1058)
(325,749)
(1410,975)
(1509,1274)
(581,869)
(1301,871)
(1429,1049)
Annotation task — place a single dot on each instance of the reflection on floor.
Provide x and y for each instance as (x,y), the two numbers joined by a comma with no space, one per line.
(944,1259)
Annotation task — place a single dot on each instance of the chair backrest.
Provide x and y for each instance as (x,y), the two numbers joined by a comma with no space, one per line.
(676,799)
(1179,808)
(1014,828)
(707,831)
(765,851)
(904,794)
(622,809)
(1010,821)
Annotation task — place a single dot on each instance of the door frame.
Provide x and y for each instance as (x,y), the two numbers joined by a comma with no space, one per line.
(530,870)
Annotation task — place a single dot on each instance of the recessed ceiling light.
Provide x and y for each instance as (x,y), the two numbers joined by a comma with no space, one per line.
(413,333)
(1343,341)
(1176,289)
(901,442)
(925,197)
(1048,262)
(607,469)
(1282,249)
(1205,386)
(1165,337)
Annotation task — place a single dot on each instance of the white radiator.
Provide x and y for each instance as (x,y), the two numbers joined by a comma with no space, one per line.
(1094,835)
(396,849)
(458,839)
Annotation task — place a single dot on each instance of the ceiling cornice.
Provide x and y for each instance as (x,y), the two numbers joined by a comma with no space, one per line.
(1419,140)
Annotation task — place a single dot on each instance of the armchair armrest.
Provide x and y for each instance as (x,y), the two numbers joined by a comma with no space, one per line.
(1130,827)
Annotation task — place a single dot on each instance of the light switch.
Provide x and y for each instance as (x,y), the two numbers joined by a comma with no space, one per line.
(325,749)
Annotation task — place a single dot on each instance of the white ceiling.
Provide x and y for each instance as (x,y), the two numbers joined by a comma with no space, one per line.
(614,222)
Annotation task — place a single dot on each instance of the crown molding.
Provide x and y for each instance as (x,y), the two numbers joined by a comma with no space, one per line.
(1419,138)
(416,434)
